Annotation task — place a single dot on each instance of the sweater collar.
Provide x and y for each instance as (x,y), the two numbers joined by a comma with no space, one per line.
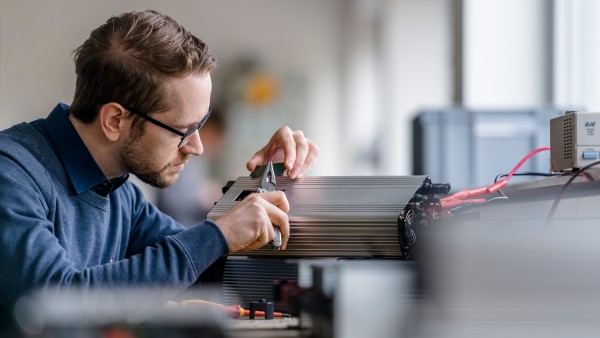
(81,168)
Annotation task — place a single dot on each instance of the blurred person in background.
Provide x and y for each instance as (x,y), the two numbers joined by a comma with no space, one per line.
(68,214)
(190,199)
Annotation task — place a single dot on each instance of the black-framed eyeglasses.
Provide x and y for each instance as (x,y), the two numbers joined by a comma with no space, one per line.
(185,137)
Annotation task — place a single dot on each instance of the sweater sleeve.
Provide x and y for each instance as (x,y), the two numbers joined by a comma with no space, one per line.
(34,255)
(151,226)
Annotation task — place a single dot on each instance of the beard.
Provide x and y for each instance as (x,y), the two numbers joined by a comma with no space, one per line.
(140,162)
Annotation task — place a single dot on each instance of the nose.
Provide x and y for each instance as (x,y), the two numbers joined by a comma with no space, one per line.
(194,146)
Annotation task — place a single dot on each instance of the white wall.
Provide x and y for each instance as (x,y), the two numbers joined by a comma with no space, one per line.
(576,51)
(37,38)
(417,59)
(507,55)
(358,58)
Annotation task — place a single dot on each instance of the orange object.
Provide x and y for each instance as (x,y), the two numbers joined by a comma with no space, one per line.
(235,311)
(261,89)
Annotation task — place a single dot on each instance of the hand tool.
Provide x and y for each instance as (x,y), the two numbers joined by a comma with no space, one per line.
(268,183)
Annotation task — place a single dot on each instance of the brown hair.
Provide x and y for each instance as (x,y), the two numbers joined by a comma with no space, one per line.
(129,60)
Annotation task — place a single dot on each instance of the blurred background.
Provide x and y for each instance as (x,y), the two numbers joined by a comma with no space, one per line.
(352,74)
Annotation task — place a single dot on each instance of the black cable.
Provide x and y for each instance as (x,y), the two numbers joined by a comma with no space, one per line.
(557,200)
(524,174)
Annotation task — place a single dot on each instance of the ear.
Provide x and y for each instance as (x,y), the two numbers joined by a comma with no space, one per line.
(114,121)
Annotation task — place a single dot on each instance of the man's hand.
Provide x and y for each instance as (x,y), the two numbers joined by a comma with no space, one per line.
(290,147)
(249,224)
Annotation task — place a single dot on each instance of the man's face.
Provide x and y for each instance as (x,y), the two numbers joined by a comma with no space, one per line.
(153,156)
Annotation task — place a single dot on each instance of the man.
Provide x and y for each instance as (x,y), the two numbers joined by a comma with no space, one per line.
(68,215)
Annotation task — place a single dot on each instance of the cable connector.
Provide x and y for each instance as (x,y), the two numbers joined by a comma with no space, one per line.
(428,188)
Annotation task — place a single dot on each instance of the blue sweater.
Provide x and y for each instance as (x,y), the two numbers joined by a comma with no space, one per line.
(54,233)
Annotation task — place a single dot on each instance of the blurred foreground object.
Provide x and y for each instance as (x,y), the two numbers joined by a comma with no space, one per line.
(350,298)
(498,270)
(115,312)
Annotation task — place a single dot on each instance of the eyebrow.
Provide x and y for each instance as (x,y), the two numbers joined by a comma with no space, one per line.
(187,126)
(191,125)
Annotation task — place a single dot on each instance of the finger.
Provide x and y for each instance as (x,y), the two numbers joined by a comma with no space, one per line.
(301,153)
(270,217)
(278,199)
(247,226)
(277,207)
(264,229)
(285,139)
(261,241)
(280,219)
(311,157)
(256,160)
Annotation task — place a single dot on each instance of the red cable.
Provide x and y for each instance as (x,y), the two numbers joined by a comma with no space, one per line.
(458,198)
(455,203)
(525,160)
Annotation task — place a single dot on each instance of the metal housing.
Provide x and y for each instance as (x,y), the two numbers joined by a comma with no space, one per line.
(336,216)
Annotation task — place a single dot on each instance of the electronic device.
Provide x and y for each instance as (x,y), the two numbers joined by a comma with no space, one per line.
(574,140)
(333,218)
(342,216)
